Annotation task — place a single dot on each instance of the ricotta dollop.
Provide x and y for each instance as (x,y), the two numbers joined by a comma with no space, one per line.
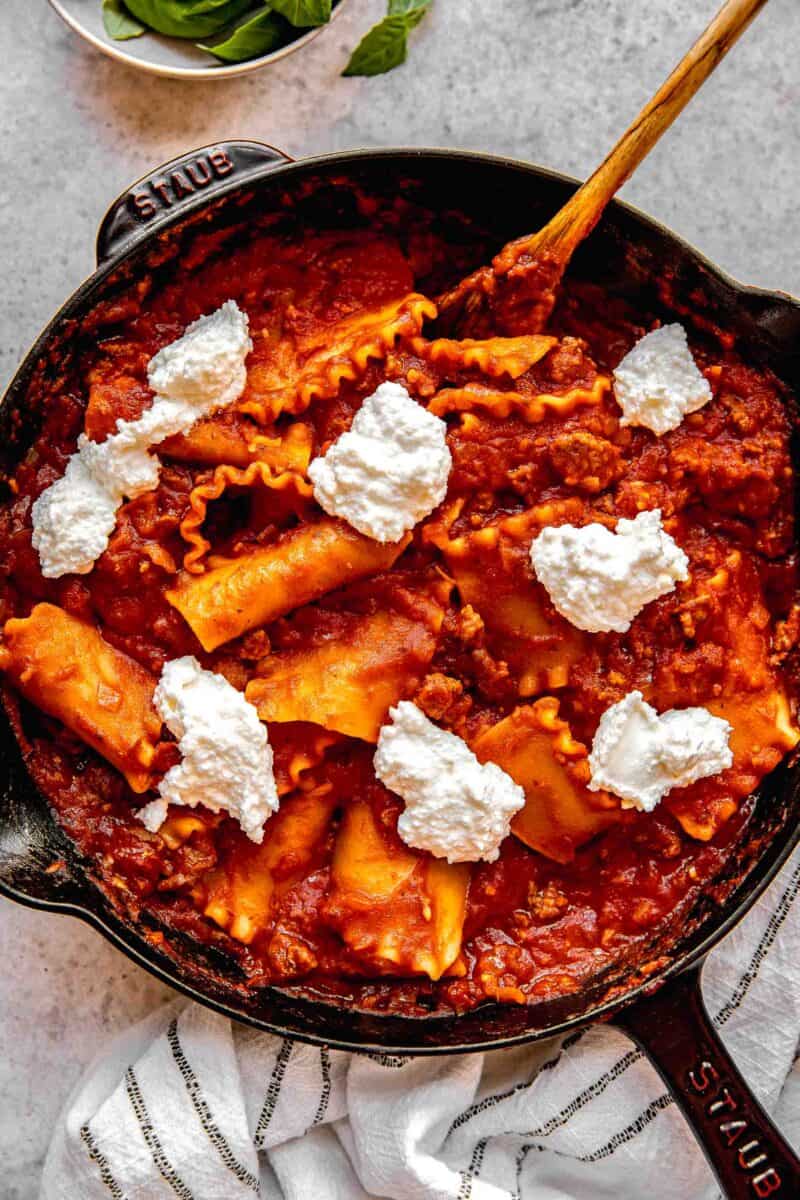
(658,382)
(194,376)
(456,807)
(600,580)
(226,760)
(389,470)
(640,756)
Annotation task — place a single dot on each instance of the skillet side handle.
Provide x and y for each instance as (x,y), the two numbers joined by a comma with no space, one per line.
(746,1152)
(177,185)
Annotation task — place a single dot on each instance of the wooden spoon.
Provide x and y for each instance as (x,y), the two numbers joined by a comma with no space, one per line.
(536,262)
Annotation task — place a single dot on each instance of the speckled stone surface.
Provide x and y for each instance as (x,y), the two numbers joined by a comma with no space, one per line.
(549,80)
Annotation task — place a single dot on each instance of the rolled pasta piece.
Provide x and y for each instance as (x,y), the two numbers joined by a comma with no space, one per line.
(231,439)
(68,670)
(349,682)
(391,904)
(224,438)
(243,593)
(535,746)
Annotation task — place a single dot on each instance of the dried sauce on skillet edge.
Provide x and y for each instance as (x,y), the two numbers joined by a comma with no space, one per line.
(534,928)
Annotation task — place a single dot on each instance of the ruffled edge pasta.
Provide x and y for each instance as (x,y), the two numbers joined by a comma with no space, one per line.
(532,409)
(496,356)
(224,477)
(519,527)
(345,357)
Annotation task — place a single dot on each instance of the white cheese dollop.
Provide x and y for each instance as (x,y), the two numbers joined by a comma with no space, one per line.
(199,373)
(658,382)
(600,580)
(640,756)
(205,366)
(227,760)
(389,470)
(456,807)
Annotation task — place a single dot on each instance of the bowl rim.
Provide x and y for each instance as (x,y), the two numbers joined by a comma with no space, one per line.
(117,52)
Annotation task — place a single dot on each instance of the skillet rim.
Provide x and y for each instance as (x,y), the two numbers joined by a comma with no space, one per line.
(122,934)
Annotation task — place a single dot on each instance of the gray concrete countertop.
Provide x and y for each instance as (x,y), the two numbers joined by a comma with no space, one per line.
(554,81)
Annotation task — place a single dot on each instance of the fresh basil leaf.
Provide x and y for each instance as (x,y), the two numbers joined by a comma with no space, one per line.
(413,10)
(304,13)
(380,50)
(256,36)
(188,18)
(193,7)
(118,23)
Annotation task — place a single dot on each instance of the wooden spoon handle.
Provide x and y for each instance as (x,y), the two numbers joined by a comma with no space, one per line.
(580,214)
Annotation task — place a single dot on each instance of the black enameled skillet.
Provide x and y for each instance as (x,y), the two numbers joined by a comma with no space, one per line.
(665,1015)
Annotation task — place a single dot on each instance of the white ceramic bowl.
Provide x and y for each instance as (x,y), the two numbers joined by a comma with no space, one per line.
(175,57)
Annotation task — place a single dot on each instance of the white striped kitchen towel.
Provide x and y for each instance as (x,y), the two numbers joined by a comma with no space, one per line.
(187,1106)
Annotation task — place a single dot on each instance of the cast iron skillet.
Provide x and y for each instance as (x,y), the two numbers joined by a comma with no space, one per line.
(664,1014)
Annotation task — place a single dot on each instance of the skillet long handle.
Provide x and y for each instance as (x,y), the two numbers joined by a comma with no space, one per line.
(747,1153)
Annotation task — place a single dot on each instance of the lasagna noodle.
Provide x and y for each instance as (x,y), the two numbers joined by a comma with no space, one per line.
(211,441)
(241,892)
(70,671)
(495,356)
(289,450)
(294,487)
(531,408)
(492,571)
(316,367)
(763,731)
(349,682)
(392,905)
(535,747)
(239,594)
(235,440)
(180,824)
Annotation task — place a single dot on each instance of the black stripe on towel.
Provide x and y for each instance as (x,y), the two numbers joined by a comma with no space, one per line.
(628,1134)
(522,1154)
(490,1101)
(777,919)
(630,1131)
(395,1061)
(569,1110)
(325,1094)
(273,1091)
(200,1106)
(473,1171)
(97,1157)
(165,1167)
(588,1094)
